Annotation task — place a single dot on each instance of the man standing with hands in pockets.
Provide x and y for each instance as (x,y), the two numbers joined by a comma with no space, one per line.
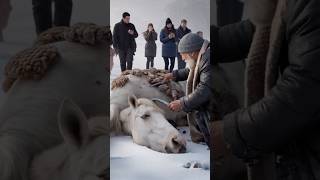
(124,43)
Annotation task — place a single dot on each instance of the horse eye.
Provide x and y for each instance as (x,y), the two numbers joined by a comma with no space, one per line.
(145,116)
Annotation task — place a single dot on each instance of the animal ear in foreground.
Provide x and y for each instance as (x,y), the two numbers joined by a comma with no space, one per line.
(133,102)
(73,124)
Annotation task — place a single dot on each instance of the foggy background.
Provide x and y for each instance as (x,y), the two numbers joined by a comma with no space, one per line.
(196,12)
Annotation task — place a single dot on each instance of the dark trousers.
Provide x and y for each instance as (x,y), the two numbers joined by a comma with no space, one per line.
(167,62)
(149,62)
(126,59)
(181,63)
(42,13)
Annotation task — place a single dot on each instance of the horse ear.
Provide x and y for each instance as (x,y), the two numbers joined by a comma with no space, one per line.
(132,99)
(73,124)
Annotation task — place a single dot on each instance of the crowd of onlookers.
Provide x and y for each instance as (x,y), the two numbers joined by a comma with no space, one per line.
(124,43)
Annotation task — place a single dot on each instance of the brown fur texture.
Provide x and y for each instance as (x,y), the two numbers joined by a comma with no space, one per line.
(154,76)
(31,63)
(88,33)
(119,82)
(52,35)
(84,33)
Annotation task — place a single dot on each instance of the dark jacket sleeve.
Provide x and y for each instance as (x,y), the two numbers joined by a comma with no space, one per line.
(293,106)
(203,91)
(181,74)
(135,33)
(115,36)
(231,42)
(163,37)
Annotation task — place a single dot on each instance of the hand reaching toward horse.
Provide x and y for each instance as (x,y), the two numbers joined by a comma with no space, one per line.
(175,105)
(168,77)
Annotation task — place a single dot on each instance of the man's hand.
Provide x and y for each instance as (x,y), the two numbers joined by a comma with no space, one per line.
(130,32)
(168,77)
(175,105)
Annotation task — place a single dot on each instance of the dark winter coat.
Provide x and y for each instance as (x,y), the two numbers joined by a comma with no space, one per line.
(122,40)
(150,47)
(181,32)
(169,47)
(287,120)
(204,89)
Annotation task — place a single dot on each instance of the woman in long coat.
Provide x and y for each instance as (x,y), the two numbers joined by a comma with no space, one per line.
(169,48)
(150,48)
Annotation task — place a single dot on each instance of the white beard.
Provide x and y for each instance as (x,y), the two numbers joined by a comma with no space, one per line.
(191,63)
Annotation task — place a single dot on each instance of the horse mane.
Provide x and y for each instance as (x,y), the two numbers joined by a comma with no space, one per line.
(155,77)
(33,63)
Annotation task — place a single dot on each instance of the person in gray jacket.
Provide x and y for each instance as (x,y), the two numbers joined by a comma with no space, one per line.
(150,48)
(196,52)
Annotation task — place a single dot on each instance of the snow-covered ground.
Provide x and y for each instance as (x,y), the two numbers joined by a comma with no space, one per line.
(129,161)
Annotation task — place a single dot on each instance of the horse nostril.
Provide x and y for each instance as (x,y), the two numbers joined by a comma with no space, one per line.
(183,149)
(175,141)
(168,150)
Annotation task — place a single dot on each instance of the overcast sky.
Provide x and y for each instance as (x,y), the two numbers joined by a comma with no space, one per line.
(197,12)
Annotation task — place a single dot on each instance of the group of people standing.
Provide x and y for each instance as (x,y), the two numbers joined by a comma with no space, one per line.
(124,35)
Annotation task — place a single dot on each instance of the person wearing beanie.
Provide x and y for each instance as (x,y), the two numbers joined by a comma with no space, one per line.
(169,48)
(196,52)
(182,31)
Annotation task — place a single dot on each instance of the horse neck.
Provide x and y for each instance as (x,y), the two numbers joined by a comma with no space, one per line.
(48,164)
(126,121)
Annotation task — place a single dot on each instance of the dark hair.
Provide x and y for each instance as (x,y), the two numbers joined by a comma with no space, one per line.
(125,14)
(183,21)
(150,24)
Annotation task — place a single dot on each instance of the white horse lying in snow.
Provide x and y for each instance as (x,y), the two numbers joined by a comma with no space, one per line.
(134,113)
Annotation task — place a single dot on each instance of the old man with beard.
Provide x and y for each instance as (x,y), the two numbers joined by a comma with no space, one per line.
(196,52)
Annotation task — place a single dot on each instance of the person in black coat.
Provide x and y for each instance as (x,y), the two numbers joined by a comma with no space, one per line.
(285,121)
(182,31)
(150,48)
(124,43)
(42,13)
